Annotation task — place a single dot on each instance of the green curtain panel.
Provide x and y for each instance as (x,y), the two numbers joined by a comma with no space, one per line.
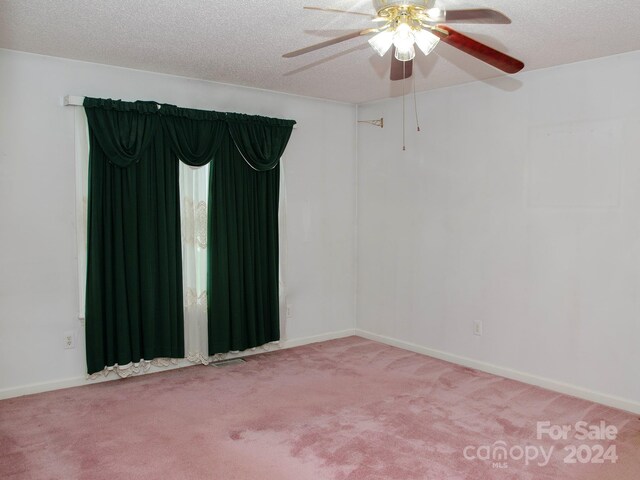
(134,304)
(243,253)
(243,234)
(134,266)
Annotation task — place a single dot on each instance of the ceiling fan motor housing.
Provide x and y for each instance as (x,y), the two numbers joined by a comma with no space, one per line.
(382,5)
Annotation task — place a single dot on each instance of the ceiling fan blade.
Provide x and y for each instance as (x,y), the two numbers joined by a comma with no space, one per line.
(327,43)
(335,10)
(400,70)
(476,15)
(479,50)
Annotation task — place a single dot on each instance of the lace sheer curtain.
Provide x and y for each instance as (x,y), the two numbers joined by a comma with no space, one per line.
(194,187)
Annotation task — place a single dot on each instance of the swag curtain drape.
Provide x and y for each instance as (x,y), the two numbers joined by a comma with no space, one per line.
(261,141)
(134,306)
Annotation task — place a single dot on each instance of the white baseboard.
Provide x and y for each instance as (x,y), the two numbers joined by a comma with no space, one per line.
(550,384)
(83,380)
(296,342)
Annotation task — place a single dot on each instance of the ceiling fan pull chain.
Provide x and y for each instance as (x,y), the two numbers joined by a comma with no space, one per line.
(415,104)
(404,82)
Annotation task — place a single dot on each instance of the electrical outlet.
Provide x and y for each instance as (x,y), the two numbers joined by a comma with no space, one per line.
(477,327)
(289,311)
(69,339)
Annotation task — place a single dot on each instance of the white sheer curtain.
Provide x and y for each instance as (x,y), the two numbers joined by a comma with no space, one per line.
(283,252)
(82,181)
(194,194)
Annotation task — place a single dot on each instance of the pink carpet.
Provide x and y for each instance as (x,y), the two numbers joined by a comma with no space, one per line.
(343,409)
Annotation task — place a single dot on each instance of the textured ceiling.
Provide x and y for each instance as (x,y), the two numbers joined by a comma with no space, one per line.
(241,42)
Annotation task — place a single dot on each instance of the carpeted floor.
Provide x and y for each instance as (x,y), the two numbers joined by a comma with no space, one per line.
(343,409)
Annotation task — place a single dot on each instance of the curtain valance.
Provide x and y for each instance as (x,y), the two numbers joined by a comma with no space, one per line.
(124,130)
(195,135)
(261,141)
(195,142)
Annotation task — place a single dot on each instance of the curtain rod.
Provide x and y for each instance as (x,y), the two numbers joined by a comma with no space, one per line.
(77,101)
(73,101)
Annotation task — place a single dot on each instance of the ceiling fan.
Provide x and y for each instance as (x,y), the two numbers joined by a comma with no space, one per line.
(405,23)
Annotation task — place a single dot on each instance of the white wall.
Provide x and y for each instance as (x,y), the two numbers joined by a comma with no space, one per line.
(517,205)
(38,272)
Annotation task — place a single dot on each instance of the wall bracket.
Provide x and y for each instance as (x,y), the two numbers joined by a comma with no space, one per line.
(377,123)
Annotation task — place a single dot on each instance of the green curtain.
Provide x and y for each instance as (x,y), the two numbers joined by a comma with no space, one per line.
(243,234)
(134,266)
(243,253)
(134,304)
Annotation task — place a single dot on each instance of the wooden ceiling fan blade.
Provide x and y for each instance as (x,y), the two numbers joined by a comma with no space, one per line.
(476,15)
(479,50)
(327,43)
(400,70)
(335,10)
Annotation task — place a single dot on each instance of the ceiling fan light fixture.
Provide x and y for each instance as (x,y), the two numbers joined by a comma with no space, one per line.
(403,41)
(382,42)
(405,54)
(425,40)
